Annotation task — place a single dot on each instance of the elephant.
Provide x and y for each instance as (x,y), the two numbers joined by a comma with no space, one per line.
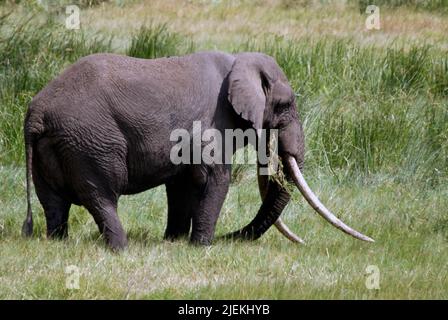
(101,130)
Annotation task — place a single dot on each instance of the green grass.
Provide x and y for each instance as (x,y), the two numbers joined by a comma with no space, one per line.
(376,125)
(409,225)
(32,52)
(368,110)
(157,41)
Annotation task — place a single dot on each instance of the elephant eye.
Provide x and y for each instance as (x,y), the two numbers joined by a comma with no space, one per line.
(281,107)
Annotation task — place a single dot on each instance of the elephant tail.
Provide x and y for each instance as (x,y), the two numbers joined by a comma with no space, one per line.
(27,227)
(32,130)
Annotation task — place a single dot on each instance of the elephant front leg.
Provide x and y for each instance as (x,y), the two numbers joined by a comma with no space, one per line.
(215,185)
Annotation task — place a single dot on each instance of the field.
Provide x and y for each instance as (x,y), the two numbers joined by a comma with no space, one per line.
(374,105)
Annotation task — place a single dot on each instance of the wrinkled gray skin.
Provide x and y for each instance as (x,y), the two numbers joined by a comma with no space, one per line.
(101,130)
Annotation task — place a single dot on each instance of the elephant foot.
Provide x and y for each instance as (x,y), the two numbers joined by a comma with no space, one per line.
(59,232)
(199,240)
(57,235)
(175,235)
(116,242)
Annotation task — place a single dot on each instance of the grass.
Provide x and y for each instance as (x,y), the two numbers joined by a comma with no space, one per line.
(32,52)
(375,112)
(369,110)
(410,229)
(432,5)
(157,41)
(411,232)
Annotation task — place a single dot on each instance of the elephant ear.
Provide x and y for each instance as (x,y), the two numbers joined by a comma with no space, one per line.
(249,82)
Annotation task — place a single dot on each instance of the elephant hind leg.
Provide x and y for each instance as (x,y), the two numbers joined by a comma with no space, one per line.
(180,205)
(97,180)
(95,192)
(104,212)
(56,208)
(49,185)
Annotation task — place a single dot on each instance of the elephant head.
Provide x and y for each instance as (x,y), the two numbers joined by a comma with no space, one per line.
(260,94)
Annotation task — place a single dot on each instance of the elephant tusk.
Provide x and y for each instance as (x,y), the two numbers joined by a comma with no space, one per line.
(315,203)
(284,230)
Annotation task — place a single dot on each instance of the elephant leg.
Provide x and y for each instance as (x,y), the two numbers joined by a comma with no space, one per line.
(210,198)
(56,214)
(55,207)
(97,180)
(98,197)
(179,198)
(105,215)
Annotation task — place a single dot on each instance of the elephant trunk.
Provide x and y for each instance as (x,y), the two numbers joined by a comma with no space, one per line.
(274,197)
(275,200)
(279,224)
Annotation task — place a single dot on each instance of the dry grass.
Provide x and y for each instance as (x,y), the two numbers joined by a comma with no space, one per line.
(228,22)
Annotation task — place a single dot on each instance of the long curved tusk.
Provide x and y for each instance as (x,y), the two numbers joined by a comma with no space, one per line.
(315,203)
(284,230)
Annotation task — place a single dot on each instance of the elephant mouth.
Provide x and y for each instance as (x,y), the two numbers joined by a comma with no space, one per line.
(314,202)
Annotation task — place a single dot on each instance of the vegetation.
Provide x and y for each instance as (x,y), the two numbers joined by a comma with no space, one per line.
(431,5)
(375,113)
(32,52)
(157,41)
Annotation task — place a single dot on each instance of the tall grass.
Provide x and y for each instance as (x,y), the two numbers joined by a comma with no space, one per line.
(157,41)
(32,52)
(366,110)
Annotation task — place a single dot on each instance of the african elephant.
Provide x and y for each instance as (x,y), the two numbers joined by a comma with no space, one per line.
(101,129)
